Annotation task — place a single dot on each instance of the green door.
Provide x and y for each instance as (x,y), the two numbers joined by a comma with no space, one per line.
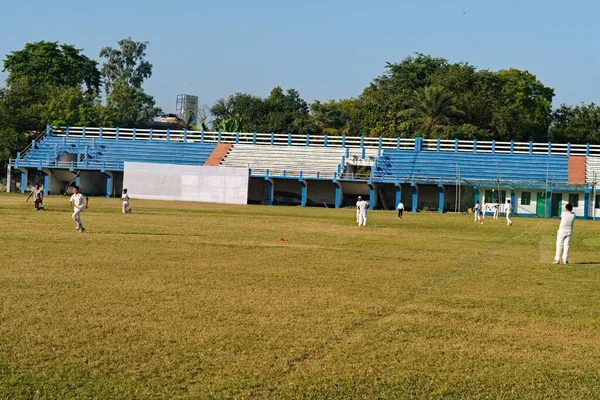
(556,204)
(540,208)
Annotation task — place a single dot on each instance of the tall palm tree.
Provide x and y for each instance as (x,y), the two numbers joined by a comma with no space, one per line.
(434,106)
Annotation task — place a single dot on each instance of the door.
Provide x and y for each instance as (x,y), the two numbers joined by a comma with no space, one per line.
(540,208)
(556,204)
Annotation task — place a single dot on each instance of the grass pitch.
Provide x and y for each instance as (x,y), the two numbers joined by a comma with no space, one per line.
(186,300)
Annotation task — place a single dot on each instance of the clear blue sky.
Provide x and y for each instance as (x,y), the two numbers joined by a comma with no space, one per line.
(326,49)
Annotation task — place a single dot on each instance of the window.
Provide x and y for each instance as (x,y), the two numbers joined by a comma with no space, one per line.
(574,199)
(491,196)
(525,198)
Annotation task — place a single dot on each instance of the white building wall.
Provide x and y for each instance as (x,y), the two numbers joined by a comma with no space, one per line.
(531,208)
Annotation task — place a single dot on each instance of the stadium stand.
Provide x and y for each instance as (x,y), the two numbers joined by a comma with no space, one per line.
(430,166)
(313,162)
(94,153)
(420,171)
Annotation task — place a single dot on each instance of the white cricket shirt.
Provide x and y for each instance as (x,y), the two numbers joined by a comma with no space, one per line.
(78,201)
(567,219)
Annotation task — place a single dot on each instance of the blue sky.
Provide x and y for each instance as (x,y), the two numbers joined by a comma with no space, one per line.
(327,49)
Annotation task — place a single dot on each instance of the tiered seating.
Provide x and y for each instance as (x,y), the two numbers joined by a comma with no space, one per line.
(313,162)
(593,170)
(436,165)
(111,153)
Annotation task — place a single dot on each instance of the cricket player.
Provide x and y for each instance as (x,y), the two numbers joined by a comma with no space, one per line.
(477,212)
(508,211)
(78,201)
(484,209)
(400,210)
(496,210)
(38,197)
(361,210)
(125,200)
(563,237)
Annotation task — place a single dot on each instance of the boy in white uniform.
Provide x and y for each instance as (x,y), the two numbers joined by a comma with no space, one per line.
(125,200)
(361,209)
(78,201)
(400,210)
(563,237)
(508,212)
(477,212)
(484,209)
(38,197)
(496,210)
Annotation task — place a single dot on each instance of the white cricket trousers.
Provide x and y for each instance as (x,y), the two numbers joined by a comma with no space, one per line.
(77,219)
(362,219)
(508,220)
(125,207)
(563,241)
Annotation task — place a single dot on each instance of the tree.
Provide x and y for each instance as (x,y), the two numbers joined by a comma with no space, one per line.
(281,112)
(70,106)
(126,65)
(124,72)
(333,117)
(434,106)
(522,108)
(128,107)
(53,65)
(575,124)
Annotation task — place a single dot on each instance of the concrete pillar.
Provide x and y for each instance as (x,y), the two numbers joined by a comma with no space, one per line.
(415,196)
(23,179)
(109,183)
(8,178)
(338,194)
(304,192)
(513,203)
(46,182)
(372,196)
(586,204)
(398,194)
(270,191)
(441,198)
(78,180)
(477,195)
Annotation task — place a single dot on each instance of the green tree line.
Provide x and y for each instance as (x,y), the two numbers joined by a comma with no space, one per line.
(52,83)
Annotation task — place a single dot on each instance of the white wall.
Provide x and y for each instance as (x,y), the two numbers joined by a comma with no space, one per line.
(185,182)
(519,208)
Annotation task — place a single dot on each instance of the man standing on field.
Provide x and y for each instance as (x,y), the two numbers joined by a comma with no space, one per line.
(508,211)
(125,200)
(563,237)
(477,212)
(78,201)
(361,211)
(38,197)
(400,210)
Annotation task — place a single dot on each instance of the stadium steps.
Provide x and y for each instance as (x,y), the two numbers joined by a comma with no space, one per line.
(218,154)
(576,170)
(312,162)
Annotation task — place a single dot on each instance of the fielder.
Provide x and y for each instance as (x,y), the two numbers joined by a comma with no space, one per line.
(508,212)
(496,210)
(400,210)
(477,213)
(78,201)
(125,200)
(38,197)
(563,236)
(361,210)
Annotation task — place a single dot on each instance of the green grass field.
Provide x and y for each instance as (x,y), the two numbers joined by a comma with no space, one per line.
(186,300)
